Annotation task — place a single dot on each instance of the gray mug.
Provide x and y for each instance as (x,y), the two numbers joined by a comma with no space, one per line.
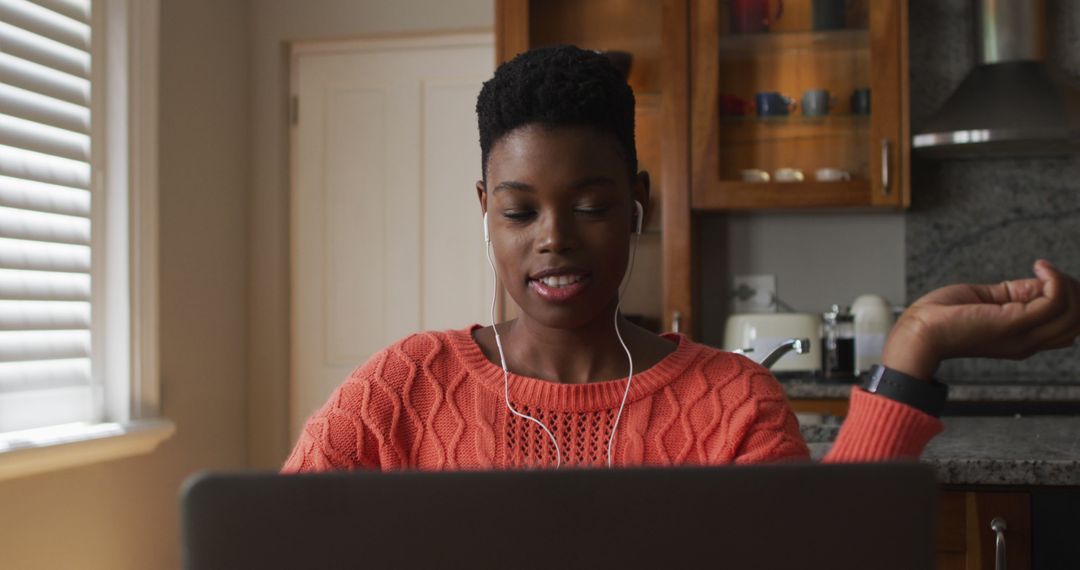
(829,14)
(815,102)
(860,101)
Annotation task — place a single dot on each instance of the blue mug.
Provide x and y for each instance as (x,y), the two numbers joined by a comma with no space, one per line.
(773,104)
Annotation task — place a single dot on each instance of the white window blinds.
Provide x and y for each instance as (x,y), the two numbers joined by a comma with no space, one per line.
(45,179)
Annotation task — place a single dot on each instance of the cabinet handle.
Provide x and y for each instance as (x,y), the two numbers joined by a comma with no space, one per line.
(676,321)
(998,526)
(885,167)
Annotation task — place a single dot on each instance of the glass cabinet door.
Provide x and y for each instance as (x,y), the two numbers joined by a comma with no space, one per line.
(805,101)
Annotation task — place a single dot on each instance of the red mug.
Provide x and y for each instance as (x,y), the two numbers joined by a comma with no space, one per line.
(752,16)
(732,106)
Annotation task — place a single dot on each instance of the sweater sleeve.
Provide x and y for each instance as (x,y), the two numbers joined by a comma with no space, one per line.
(880,429)
(309,454)
(876,428)
(333,439)
(348,431)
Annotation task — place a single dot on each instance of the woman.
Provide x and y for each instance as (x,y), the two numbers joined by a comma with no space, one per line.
(573,383)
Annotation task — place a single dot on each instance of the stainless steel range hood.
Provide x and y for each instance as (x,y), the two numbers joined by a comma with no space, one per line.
(1012,103)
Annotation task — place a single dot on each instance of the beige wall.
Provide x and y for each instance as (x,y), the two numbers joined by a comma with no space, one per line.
(123,514)
(273,24)
(818,257)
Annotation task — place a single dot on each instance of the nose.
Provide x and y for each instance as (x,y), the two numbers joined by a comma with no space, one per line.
(557,233)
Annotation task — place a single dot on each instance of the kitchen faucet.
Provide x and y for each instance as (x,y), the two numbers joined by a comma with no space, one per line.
(799,345)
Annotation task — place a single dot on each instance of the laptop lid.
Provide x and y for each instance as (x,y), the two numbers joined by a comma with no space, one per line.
(780,516)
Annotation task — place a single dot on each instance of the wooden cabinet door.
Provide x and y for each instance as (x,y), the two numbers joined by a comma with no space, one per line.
(889,139)
(1014,509)
(758,141)
(966,540)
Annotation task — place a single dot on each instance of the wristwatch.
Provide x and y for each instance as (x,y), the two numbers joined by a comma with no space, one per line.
(926,396)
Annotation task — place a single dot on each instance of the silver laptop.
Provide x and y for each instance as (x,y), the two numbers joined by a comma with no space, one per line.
(863,516)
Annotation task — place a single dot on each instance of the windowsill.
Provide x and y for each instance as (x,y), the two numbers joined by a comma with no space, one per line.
(49,449)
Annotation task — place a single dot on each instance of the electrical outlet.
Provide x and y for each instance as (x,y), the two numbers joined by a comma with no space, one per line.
(754,294)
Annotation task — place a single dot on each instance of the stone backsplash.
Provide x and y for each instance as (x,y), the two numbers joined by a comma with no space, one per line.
(986,220)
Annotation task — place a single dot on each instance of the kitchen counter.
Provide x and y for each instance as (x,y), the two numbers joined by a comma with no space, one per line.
(812,388)
(1041,450)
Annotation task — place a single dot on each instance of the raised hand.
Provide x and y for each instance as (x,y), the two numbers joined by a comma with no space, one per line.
(1013,319)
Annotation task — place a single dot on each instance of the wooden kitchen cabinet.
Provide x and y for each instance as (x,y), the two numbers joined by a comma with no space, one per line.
(965,538)
(866,49)
(833,407)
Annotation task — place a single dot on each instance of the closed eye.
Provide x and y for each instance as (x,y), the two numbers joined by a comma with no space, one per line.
(599,211)
(519,215)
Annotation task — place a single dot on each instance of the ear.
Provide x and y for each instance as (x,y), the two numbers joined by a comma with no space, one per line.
(481,194)
(641,194)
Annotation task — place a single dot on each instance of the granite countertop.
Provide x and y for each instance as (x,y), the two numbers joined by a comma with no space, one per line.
(1040,450)
(812,388)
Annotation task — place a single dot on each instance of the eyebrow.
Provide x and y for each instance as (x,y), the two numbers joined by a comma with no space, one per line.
(576,185)
(512,185)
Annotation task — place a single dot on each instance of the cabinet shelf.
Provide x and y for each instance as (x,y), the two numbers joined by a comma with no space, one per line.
(738,195)
(738,130)
(742,45)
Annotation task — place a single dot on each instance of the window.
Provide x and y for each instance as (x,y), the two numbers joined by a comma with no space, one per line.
(77,222)
(45,121)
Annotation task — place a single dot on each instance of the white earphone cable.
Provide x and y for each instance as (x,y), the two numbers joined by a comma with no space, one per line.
(630,376)
(502,358)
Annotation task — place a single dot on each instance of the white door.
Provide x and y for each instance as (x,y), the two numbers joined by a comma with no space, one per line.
(386,231)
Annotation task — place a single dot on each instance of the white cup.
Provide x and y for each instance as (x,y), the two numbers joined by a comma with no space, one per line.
(755,175)
(788,175)
(831,175)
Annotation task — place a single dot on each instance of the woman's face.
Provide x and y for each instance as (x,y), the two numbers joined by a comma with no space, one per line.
(560,215)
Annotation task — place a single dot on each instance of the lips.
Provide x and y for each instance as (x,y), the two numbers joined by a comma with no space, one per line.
(559,284)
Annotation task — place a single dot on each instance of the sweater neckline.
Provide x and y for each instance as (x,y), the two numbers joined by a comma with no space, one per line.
(556,396)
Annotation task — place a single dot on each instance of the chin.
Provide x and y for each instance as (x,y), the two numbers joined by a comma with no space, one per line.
(560,316)
(561,319)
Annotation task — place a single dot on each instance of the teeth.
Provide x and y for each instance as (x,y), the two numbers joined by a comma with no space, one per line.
(560,280)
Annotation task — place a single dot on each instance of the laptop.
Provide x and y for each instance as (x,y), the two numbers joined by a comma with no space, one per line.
(861,516)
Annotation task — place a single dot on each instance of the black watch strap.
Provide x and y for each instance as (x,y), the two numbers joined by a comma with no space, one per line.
(928,397)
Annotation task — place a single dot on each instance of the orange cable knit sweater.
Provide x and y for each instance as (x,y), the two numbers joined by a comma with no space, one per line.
(433,401)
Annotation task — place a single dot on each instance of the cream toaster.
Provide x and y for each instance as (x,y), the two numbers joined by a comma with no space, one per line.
(758,334)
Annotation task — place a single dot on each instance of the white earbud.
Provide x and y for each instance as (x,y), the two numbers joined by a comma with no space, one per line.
(487,237)
(639,219)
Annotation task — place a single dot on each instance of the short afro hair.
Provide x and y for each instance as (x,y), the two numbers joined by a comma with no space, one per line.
(554,87)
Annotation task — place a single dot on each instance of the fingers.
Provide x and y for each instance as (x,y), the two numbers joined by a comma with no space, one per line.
(1020,290)
(1017,291)
(1033,322)
(1069,328)
(1056,302)
(1062,309)
(1045,270)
